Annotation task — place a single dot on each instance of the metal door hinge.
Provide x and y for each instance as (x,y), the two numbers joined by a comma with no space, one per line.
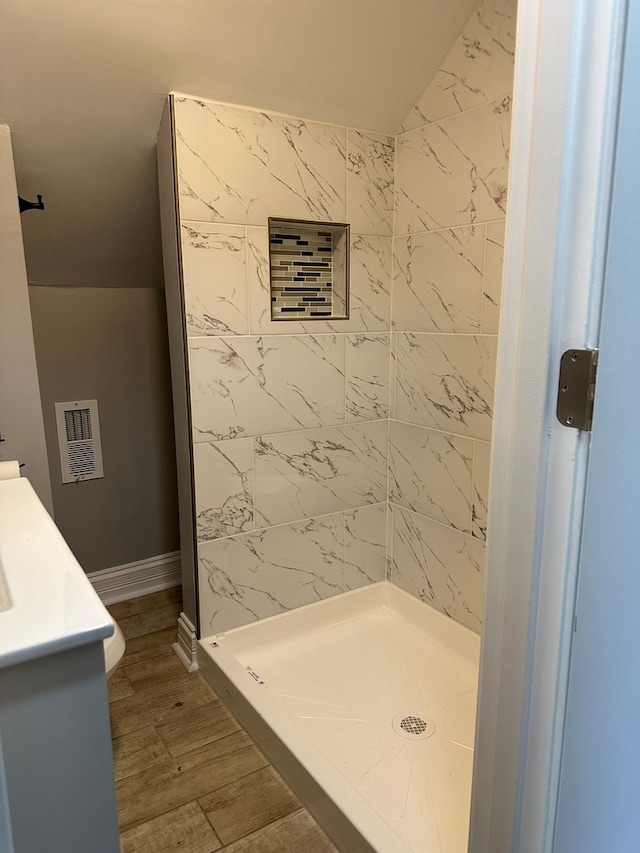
(576,388)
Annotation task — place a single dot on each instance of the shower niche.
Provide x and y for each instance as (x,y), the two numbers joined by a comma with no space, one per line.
(309,270)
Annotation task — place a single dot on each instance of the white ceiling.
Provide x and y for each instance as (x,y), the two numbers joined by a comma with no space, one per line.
(82,84)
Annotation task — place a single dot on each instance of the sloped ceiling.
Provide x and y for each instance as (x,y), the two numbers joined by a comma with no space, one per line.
(82,86)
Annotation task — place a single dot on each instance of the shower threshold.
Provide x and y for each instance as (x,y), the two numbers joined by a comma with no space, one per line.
(365,703)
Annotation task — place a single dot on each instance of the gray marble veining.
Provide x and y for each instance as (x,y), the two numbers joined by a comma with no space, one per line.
(463,80)
(370,180)
(492,288)
(254,575)
(437,283)
(446,382)
(454,171)
(312,472)
(223,474)
(481,464)
(239,165)
(365,534)
(431,473)
(248,385)
(215,279)
(370,284)
(367,360)
(477,69)
(439,565)
(503,49)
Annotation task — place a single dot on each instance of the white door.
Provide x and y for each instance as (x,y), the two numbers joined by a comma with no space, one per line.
(599,801)
(21,424)
(569,58)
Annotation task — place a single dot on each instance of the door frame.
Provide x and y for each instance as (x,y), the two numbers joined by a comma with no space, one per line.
(566,95)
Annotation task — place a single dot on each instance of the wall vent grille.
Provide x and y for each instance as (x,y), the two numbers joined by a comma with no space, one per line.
(79,440)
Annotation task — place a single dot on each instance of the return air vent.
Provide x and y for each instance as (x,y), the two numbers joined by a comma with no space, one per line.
(79,440)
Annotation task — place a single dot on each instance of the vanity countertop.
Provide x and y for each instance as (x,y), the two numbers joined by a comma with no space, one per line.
(47,603)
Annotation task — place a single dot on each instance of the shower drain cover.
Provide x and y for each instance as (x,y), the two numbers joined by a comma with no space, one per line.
(415,726)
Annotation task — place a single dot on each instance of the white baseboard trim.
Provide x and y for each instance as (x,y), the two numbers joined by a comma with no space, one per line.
(135,579)
(186,645)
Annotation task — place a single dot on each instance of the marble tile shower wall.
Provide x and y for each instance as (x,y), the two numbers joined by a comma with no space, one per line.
(451,182)
(290,420)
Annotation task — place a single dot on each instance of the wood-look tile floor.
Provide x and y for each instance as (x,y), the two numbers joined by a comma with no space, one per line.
(188,777)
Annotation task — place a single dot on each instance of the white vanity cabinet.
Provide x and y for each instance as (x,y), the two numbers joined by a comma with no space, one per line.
(57,791)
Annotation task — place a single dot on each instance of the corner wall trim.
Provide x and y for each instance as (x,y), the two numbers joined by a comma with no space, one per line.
(133,580)
(187,644)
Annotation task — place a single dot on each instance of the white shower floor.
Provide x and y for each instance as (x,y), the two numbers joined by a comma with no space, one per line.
(348,672)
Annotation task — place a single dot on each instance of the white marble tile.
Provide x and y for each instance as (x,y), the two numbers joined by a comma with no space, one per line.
(254,575)
(223,474)
(389,541)
(446,382)
(492,287)
(260,293)
(463,79)
(430,473)
(437,280)
(370,177)
(370,298)
(370,289)
(393,375)
(454,171)
(503,47)
(313,472)
(215,279)
(241,166)
(367,359)
(439,565)
(248,385)
(481,465)
(365,546)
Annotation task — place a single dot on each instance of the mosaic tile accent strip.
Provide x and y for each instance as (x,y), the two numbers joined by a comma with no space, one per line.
(308,270)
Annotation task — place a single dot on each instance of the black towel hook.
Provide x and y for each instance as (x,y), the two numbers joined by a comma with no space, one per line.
(30,205)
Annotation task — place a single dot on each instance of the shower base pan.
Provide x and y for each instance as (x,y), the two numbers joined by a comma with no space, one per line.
(365,703)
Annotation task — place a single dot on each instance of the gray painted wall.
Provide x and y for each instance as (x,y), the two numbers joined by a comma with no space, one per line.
(110,344)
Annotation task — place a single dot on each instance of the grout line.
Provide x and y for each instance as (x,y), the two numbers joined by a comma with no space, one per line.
(473,485)
(246,278)
(484,278)
(339,425)
(440,523)
(344,552)
(442,431)
(347,152)
(346,376)
(301,520)
(198,223)
(390,532)
(227,339)
(253,483)
(388,551)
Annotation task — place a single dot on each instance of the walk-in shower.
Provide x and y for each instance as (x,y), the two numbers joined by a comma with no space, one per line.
(334,467)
